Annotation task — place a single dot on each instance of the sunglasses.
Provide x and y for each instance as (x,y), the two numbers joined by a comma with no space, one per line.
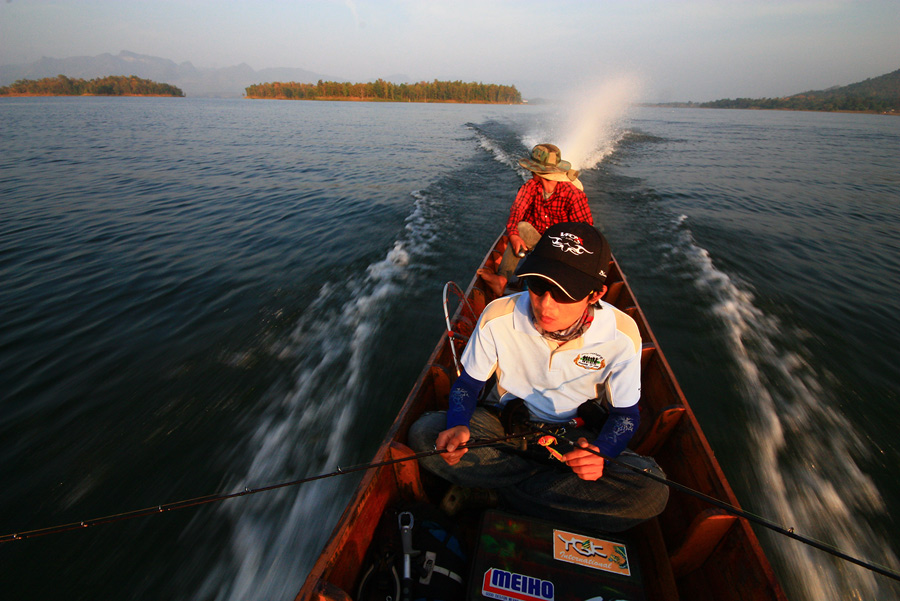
(540,287)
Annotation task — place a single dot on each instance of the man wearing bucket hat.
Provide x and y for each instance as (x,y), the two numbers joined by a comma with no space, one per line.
(554,349)
(554,194)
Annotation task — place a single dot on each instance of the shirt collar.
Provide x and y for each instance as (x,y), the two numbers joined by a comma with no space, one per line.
(522,316)
(523,322)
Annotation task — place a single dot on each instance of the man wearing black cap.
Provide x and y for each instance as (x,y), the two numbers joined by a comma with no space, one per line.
(554,346)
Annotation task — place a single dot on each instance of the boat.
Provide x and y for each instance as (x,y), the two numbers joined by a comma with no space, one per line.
(693,550)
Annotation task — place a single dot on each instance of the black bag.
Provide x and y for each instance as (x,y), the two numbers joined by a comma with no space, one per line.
(437,561)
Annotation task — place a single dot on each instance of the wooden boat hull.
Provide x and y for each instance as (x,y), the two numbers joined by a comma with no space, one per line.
(693,550)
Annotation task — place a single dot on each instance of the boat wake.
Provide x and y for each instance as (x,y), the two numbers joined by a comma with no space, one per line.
(303,431)
(587,126)
(807,456)
(594,120)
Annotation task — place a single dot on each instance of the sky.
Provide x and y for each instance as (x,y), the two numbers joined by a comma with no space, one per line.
(679,50)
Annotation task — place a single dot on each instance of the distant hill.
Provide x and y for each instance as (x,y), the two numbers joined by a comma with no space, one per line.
(228,82)
(875,95)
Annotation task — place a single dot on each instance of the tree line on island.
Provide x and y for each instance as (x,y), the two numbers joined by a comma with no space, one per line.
(385,91)
(112,85)
(874,95)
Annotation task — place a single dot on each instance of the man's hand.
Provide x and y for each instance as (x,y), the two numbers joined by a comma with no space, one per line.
(585,464)
(451,440)
(518,245)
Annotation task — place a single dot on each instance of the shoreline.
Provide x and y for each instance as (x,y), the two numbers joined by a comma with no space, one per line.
(361,99)
(678,105)
(19,95)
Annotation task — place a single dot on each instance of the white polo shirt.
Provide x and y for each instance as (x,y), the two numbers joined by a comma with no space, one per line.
(554,380)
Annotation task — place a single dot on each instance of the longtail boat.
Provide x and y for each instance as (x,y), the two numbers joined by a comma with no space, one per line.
(693,551)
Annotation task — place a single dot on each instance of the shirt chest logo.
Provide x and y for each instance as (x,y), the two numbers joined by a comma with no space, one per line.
(590,361)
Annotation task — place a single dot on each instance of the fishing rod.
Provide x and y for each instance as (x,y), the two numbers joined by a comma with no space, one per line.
(789,532)
(470,444)
(127,515)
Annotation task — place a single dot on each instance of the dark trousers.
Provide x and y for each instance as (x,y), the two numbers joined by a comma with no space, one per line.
(617,501)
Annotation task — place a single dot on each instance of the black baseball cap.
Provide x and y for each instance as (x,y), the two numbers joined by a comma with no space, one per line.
(573,256)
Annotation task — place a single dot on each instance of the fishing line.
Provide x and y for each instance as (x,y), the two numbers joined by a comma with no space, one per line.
(471,444)
(127,515)
(789,532)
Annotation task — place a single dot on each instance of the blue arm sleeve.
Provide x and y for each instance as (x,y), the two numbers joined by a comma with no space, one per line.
(620,426)
(463,396)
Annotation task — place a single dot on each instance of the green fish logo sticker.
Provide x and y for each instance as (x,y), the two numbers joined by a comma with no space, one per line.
(590,361)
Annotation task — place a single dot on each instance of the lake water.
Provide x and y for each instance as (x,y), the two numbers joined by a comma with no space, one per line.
(205,295)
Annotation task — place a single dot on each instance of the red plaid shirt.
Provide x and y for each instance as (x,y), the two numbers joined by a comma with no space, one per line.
(567,203)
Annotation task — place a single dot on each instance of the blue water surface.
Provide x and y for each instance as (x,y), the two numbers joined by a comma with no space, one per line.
(201,296)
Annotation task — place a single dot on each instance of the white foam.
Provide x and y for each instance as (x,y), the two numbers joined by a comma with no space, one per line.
(303,432)
(594,125)
(590,123)
(500,155)
(806,451)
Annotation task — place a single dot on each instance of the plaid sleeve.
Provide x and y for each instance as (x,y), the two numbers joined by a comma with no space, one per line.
(578,207)
(518,210)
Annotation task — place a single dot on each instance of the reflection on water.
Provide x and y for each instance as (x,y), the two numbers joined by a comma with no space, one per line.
(207,295)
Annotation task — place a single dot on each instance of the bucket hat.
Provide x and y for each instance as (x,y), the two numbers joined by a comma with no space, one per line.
(547,162)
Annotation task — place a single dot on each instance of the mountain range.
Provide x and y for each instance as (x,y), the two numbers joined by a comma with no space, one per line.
(230,82)
(226,82)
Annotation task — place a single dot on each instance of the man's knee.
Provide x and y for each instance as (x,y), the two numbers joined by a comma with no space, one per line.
(653,494)
(528,234)
(423,433)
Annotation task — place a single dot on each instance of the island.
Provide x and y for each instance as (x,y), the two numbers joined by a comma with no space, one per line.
(384,91)
(874,95)
(112,85)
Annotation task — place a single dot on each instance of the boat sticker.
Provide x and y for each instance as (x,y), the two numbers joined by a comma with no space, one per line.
(590,361)
(592,552)
(507,586)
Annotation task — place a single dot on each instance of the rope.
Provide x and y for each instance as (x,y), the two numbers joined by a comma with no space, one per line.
(789,532)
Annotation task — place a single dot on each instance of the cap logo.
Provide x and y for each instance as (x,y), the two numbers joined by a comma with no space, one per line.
(569,243)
